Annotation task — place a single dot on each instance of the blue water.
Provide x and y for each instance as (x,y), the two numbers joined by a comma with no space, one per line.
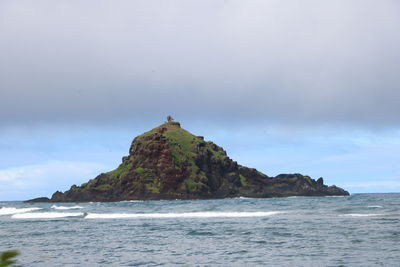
(359,230)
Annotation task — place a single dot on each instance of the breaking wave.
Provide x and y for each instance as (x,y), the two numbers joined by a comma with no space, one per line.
(130,201)
(361,215)
(47,215)
(9,211)
(65,207)
(179,215)
(374,206)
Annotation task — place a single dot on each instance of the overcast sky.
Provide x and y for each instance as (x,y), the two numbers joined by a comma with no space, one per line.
(284,86)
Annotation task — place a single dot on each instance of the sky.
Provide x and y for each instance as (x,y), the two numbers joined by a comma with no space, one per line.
(284,86)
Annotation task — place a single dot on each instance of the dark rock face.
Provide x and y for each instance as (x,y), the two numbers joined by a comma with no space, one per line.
(39,199)
(170,163)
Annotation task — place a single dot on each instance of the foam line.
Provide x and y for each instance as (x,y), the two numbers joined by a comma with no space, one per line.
(179,215)
(65,207)
(9,211)
(47,215)
(361,215)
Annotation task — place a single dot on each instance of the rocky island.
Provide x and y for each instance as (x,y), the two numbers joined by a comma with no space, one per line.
(168,162)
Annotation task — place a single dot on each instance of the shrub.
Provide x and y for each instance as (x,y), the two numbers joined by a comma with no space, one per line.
(6,258)
(139,170)
(243,180)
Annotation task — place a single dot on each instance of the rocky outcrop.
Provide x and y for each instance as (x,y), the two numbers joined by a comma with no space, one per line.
(170,163)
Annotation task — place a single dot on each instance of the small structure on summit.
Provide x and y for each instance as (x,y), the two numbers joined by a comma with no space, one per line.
(169,118)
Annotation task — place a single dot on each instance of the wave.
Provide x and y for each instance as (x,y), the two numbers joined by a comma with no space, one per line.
(9,211)
(130,201)
(179,215)
(361,215)
(65,208)
(374,206)
(47,215)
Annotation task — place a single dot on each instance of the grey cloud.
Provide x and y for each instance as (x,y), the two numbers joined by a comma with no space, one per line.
(308,62)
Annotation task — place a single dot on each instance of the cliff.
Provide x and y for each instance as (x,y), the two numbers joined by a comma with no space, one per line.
(168,162)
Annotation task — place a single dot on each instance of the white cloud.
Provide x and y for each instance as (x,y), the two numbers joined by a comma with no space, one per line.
(25,181)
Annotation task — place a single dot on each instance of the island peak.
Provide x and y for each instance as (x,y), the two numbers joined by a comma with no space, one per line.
(169,162)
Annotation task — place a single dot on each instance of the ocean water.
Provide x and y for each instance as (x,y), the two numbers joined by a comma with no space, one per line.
(358,230)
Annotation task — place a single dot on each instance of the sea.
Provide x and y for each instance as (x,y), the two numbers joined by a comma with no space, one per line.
(356,230)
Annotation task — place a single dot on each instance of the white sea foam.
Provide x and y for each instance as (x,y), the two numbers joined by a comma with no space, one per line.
(361,215)
(47,215)
(9,211)
(65,207)
(179,215)
(375,206)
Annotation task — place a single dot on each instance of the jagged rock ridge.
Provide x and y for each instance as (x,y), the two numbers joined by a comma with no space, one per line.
(168,162)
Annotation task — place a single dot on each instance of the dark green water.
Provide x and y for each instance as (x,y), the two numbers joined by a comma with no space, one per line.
(359,230)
